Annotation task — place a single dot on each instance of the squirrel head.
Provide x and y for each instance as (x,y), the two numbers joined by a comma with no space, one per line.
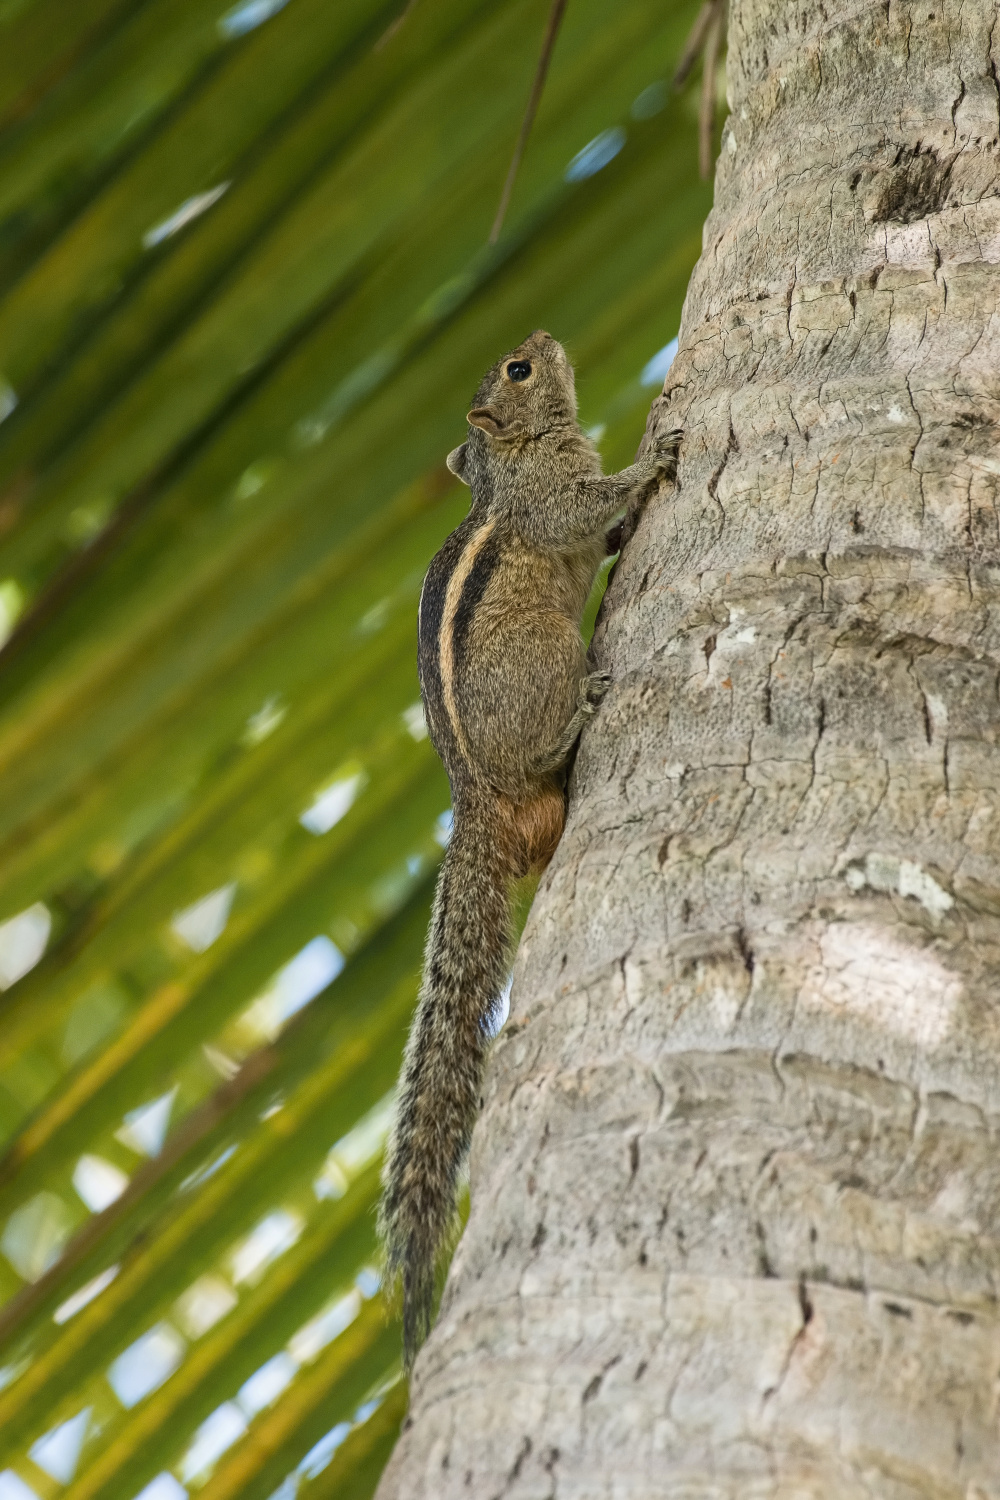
(526,394)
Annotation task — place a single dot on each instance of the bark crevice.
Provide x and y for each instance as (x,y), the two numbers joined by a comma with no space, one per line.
(758,1101)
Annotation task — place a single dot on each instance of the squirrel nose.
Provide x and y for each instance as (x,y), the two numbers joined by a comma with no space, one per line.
(555,350)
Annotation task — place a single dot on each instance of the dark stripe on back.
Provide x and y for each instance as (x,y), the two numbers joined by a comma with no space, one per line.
(472,592)
(432,598)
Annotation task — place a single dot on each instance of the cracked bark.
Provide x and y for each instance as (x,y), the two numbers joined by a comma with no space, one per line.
(751,1086)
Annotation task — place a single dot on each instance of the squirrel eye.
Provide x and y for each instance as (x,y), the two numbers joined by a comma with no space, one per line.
(519,369)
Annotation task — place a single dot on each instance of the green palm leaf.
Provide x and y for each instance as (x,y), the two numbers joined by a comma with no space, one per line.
(245,295)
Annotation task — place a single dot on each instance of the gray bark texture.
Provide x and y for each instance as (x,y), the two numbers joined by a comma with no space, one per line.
(736,1185)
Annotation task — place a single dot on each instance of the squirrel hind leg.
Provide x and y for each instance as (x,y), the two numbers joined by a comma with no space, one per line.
(592,691)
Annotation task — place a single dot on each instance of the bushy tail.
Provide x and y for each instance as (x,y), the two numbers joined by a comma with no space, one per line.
(465,970)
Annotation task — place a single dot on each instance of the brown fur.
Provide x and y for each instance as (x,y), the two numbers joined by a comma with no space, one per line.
(506,690)
(535,828)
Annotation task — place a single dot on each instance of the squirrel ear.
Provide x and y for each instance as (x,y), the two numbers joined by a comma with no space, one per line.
(456,462)
(486,418)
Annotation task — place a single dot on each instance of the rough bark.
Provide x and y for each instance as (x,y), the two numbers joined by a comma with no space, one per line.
(736,1186)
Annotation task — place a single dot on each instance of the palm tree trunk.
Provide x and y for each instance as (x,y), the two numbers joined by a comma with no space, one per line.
(736,1187)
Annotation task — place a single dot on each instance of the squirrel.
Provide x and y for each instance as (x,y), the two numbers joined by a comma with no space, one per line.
(506,690)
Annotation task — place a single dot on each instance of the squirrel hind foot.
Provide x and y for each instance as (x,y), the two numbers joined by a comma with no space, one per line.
(594,687)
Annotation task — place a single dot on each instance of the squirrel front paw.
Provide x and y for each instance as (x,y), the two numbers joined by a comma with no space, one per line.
(670,441)
(664,454)
(660,462)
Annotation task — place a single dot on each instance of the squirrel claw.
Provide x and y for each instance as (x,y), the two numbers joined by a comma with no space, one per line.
(594,688)
(666,448)
(664,451)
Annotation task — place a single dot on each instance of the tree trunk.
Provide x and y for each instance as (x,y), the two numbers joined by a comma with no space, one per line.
(736,1187)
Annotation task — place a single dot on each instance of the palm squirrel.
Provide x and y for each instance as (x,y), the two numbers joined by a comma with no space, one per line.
(506,691)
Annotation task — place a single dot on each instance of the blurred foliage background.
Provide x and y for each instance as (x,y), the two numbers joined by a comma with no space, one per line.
(245,296)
